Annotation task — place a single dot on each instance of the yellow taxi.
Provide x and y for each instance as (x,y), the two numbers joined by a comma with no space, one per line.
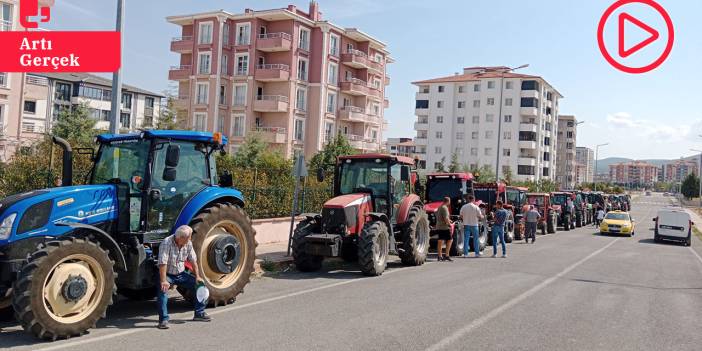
(617,222)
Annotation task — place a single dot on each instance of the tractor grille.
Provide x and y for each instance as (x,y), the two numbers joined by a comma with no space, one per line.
(333,219)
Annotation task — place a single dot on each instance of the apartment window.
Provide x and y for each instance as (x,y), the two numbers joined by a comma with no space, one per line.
(547,126)
(222,95)
(461,89)
(569,135)
(530,102)
(30,107)
(506,152)
(474,135)
(507,135)
(205,33)
(331,102)
(547,141)
(299,130)
(488,151)
(476,103)
(63,91)
(220,123)
(460,135)
(438,165)
(239,95)
(474,151)
(440,104)
(421,104)
(437,150)
(491,84)
(508,118)
(334,45)
(460,120)
(459,151)
(441,88)
(547,156)
(476,87)
(127,101)
(376,110)
(530,85)
(200,121)
(488,134)
(333,74)
(439,119)
(238,127)
(203,91)
(301,99)
(491,101)
(525,170)
(439,135)
(125,120)
(204,63)
(476,119)
(243,34)
(569,146)
(3,79)
(509,85)
(489,118)
(225,33)
(302,65)
(304,42)
(225,64)
(508,102)
(242,64)
(461,104)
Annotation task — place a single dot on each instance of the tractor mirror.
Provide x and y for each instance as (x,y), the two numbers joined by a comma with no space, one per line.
(169,174)
(320,175)
(405,174)
(172,156)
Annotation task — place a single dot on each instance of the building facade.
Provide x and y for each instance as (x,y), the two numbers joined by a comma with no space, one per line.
(635,173)
(678,170)
(461,114)
(585,165)
(565,160)
(285,74)
(400,147)
(11,85)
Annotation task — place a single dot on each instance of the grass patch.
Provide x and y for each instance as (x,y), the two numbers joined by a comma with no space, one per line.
(268,266)
(697,233)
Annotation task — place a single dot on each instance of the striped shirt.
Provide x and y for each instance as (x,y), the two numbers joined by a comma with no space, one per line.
(174,257)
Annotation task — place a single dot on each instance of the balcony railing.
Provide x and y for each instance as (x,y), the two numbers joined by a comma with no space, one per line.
(5,26)
(271,103)
(277,98)
(182,44)
(271,42)
(281,35)
(356,53)
(272,72)
(148,111)
(34,80)
(276,66)
(179,72)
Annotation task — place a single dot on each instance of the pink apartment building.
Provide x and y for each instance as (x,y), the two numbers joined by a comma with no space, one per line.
(286,74)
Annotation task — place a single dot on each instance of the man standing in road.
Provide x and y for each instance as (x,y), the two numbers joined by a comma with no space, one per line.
(471,215)
(443,229)
(173,252)
(498,229)
(532,220)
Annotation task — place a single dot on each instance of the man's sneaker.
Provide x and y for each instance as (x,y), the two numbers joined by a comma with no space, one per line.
(439,259)
(493,255)
(504,255)
(163,325)
(204,317)
(447,258)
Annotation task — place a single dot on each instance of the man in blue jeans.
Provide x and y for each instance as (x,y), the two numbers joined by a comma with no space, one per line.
(498,229)
(471,216)
(172,254)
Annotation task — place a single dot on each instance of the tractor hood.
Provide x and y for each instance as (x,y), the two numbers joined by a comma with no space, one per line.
(344,214)
(36,213)
(432,206)
(347,200)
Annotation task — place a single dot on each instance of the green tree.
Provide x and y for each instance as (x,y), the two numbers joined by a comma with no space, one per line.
(169,118)
(454,166)
(483,174)
(441,167)
(254,152)
(75,125)
(690,186)
(326,158)
(508,176)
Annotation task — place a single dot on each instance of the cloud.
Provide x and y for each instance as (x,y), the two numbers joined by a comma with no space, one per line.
(624,122)
(79,9)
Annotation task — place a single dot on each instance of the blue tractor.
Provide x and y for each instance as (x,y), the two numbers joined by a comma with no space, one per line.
(66,251)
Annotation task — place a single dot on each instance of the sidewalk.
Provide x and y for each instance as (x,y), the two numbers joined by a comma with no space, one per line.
(273,253)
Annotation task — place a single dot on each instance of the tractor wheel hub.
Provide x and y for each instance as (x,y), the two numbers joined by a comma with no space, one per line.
(74,288)
(224,254)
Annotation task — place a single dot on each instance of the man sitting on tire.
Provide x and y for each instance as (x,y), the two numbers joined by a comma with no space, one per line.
(173,252)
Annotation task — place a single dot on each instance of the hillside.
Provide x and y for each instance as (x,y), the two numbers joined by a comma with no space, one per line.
(603,164)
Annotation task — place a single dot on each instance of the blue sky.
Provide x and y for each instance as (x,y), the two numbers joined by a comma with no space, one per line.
(651,115)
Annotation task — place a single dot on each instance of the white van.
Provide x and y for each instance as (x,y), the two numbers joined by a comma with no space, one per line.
(673,224)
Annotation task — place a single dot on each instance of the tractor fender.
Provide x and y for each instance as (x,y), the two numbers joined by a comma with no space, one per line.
(82,230)
(206,197)
(407,203)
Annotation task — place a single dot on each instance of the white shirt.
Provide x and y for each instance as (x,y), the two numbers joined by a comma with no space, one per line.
(600,214)
(471,214)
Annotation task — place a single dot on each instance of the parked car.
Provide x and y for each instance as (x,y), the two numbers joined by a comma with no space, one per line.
(617,222)
(673,224)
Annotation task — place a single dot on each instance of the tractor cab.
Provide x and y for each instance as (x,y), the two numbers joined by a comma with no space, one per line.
(487,194)
(542,202)
(452,185)
(516,198)
(560,201)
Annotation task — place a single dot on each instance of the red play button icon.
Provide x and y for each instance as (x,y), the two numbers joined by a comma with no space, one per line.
(623,19)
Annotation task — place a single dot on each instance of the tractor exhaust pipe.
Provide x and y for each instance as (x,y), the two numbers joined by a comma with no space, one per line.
(67,167)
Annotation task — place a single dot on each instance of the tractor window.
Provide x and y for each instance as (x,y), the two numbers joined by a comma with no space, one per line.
(364,174)
(439,188)
(400,189)
(536,201)
(514,197)
(559,199)
(121,161)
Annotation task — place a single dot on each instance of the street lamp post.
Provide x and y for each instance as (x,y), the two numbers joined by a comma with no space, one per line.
(499,116)
(117,76)
(597,157)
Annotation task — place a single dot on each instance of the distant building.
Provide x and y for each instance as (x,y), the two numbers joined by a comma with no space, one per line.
(565,160)
(678,170)
(602,178)
(400,147)
(635,173)
(585,160)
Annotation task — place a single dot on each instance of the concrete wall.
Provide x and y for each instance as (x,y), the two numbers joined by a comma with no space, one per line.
(273,230)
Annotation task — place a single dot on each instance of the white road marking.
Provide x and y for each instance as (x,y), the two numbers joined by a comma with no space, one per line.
(457,335)
(695,253)
(84,341)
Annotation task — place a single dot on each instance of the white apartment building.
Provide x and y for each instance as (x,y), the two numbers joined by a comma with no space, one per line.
(585,165)
(565,162)
(461,114)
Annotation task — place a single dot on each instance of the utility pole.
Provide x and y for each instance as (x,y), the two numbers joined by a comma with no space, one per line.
(597,157)
(117,76)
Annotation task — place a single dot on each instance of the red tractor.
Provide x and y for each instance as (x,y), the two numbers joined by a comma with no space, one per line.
(454,186)
(516,198)
(549,214)
(487,194)
(374,213)
(566,219)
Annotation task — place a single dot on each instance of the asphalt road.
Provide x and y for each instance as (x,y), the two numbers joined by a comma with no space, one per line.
(570,291)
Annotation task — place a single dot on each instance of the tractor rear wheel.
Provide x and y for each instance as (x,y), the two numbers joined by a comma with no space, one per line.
(566,222)
(304,261)
(551,225)
(415,238)
(509,233)
(373,248)
(225,243)
(458,239)
(6,312)
(64,288)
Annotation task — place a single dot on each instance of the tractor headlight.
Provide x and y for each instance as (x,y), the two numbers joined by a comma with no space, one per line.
(6,226)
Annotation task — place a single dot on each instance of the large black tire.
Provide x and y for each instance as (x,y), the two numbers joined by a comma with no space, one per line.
(551,225)
(6,311)
(31,305)
(458,239)
(415,238)
(373,248)
(544,229)
(566,222)
(518,232)
(224,221)
(139,294)
(303,261)
(688,241)
(509,233)
(578,220)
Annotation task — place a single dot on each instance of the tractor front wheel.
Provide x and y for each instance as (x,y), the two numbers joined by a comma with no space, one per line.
(304,261)
(566,222)
(551,225)
(373,248)
(64,288)
(458,239)
(225,243)
(415,238)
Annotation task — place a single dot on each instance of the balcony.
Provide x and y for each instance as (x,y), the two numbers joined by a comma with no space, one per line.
(181,72)
(271,103)
(387,79)
(421,125)
(525,160)
(353,114)
(386,103)
(528,127)
(272,73)
(273,42)
(530,94)
(420,140)
(527,144)
(5,26)
(529,111)
(182,44)
(360,60)
(273,135)
(362,143)
(421,111)
(36,80)
(354,86)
